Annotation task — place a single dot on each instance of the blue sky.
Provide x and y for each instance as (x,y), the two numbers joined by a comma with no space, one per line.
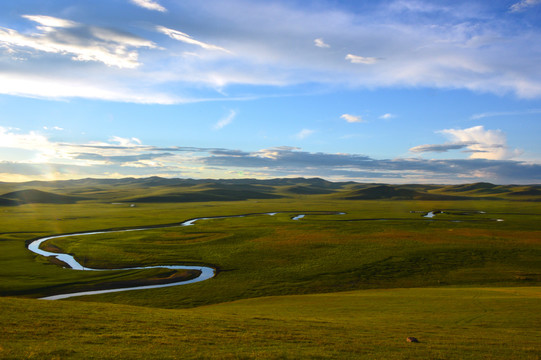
(397,91)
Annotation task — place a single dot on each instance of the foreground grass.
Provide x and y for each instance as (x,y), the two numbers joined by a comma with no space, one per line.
(450,323)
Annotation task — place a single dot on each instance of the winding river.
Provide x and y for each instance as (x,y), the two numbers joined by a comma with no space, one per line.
(206,272)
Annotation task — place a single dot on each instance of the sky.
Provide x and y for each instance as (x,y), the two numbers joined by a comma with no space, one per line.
(386,91)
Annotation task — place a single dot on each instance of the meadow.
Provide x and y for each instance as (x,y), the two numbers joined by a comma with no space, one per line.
(465,282)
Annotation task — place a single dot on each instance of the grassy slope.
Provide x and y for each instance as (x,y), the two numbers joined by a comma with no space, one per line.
(451,323)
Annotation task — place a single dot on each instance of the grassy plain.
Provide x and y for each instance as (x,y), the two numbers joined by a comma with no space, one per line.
(327,286)
(450,323)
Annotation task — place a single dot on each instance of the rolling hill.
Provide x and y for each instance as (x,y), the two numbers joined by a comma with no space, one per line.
(160,190)
(33,196)
(384,192)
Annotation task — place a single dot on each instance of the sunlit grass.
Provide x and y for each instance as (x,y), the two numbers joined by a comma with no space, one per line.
(450,323)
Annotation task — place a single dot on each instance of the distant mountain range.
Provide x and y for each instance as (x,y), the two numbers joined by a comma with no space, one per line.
(157,189)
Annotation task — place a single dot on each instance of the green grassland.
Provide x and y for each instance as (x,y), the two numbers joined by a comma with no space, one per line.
(450,323)
(355,285)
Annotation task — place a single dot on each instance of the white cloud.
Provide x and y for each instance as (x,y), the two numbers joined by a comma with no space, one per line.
(320,43)
(149,4)
(225,121)
(523,5)
(304,133)
(126,142)
(355,59)
(477,141)
(37,147)
(30,141)
(352,118)
(81,42)
(387,116)
(483,144)
(180,36)
(50,22)
(89,86)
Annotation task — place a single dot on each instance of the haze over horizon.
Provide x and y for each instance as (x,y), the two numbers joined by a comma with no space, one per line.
(390,91)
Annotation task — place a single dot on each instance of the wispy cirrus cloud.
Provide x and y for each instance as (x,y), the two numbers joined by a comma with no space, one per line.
(417,6)
(185,38)
(387,116)
(223,122)
(149,4)
(522,5)
(304,133)
(505,113)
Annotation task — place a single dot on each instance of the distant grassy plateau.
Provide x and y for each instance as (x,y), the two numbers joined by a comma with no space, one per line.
(458,267)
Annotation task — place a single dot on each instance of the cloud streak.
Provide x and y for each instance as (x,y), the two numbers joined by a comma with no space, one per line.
(387,116)
(185,38)
(149,5)
(304,133)
(522,5)
(356,59)
(504,113)
(440,147)
(225,121)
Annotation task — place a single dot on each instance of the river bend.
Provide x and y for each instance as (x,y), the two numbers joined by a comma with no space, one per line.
(206,272)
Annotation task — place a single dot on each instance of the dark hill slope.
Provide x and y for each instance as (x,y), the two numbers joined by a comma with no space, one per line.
(308,190)
(480,188)
(32,196)
(204,195)
(382,192)
(8,202)
(469,187)
(534,191)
